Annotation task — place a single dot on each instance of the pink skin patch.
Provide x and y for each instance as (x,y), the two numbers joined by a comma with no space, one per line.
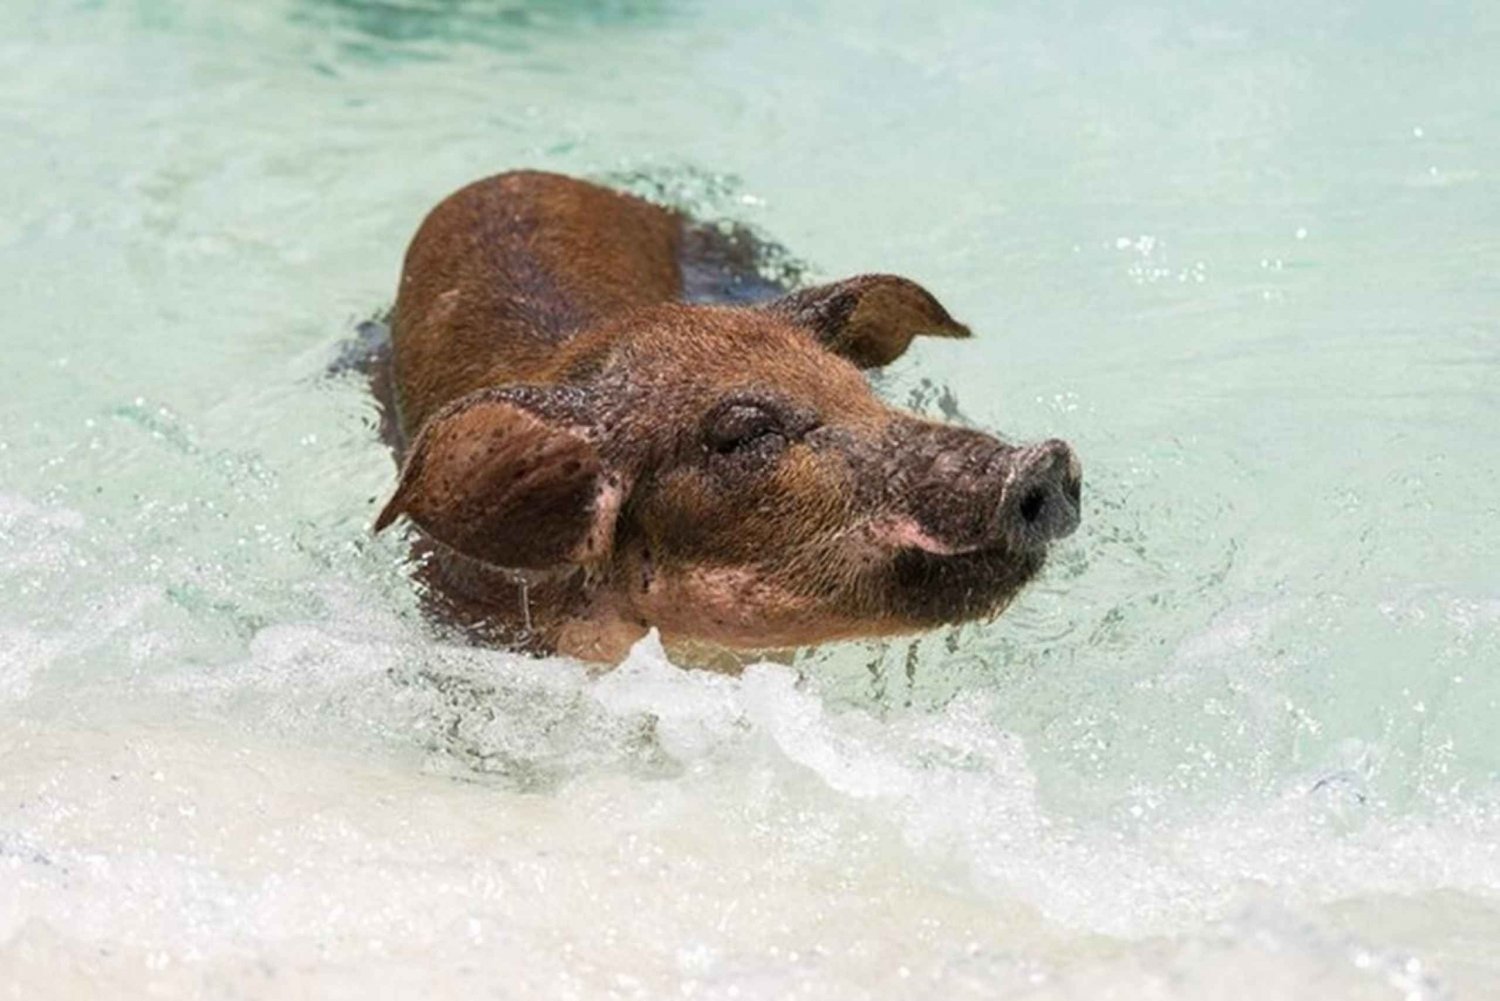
(900,532)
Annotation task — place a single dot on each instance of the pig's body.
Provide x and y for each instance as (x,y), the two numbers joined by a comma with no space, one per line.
(722,473)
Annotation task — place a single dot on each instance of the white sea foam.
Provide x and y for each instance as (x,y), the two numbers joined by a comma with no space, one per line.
(693,834)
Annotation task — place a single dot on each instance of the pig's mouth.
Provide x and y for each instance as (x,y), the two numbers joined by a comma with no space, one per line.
(930,589)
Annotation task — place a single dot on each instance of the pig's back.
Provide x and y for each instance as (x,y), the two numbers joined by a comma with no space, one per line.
(506,268)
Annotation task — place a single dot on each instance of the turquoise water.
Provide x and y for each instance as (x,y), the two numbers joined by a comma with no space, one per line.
(1240,742)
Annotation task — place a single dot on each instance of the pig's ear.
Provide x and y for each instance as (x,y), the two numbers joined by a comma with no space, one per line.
(868,319)
(511,477)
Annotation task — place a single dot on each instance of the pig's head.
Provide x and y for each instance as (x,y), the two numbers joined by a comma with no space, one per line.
(727,475)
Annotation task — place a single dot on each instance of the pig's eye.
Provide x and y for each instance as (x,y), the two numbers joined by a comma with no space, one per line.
(742,427)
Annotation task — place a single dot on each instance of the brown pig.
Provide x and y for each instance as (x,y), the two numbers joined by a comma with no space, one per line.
(591,456)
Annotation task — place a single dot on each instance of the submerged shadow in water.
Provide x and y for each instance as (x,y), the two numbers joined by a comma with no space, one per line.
(527,731)
(399,30)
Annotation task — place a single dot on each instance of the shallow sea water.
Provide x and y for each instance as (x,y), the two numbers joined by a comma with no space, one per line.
(1240,742)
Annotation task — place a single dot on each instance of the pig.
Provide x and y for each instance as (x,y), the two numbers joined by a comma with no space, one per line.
(588,455)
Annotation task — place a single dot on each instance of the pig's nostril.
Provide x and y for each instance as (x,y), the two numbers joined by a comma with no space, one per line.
(1032,505)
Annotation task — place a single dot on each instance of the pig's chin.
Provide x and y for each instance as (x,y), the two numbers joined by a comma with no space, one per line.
(928,588)
(894,591)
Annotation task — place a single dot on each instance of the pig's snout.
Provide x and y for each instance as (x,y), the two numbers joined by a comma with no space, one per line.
(953,491)
(1040,498)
